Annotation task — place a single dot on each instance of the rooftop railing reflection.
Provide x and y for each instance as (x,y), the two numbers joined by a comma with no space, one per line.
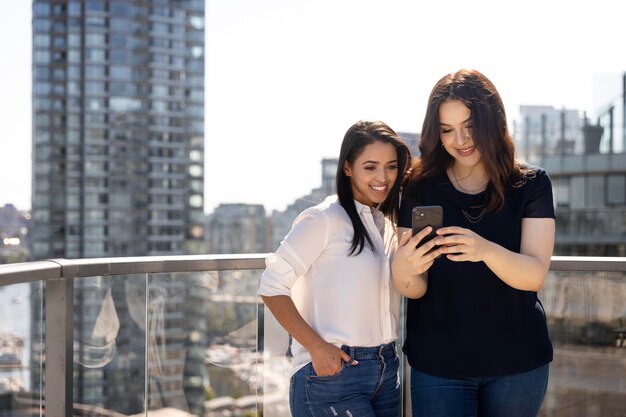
(187,335)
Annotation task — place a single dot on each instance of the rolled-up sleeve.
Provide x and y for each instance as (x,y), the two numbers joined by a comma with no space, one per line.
(297,252)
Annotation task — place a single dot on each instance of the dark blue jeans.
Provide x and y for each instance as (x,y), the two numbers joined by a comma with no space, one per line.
(369,389)
(518,395)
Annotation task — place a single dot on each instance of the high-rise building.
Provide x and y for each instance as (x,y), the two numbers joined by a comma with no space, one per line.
(237,228)
(118,109)
(118,151)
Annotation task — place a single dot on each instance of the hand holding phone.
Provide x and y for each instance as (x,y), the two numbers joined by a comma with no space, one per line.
(424,216)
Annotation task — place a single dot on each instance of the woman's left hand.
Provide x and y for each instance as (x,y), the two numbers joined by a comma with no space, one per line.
(460,245)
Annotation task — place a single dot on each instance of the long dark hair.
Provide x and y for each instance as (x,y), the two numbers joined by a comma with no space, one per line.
(358,136)
(488,129)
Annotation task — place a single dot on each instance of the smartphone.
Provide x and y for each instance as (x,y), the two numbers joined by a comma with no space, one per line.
(427,216)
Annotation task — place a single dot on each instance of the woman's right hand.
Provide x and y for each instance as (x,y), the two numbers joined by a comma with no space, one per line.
(410,263)
(411,260)
(327,359)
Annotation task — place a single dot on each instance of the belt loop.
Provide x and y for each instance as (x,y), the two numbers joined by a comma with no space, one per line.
(352,353)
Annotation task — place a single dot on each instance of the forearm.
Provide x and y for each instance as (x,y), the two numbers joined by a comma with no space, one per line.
(522,272)
(286,313)
(410,285)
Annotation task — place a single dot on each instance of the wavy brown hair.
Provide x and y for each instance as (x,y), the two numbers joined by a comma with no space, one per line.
(488,129)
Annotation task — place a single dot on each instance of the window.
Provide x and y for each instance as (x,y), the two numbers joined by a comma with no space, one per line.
(95,55)
(41,40)
(561,192)
(577,191)
(41,9)
(41,25)
(595,191)
(41,57)
(73,39)
(95,39)
(616,190)
(120,72)
(95,6)
(59,42)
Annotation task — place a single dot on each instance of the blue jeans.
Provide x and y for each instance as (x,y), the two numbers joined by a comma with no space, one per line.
(369,389)
(517,395)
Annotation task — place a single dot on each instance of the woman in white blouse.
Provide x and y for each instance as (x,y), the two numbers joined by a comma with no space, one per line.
(328,284)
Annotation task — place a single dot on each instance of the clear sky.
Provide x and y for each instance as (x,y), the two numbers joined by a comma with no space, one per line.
(286,78)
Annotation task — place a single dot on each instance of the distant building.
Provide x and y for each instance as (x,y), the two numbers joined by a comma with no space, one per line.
(546,130)
(237,228)
(14,234)
(590,201)
(281,220)
(588,176)
(412,141)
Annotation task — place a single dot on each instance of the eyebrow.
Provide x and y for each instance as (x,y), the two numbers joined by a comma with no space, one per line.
(463,122)
(377,162)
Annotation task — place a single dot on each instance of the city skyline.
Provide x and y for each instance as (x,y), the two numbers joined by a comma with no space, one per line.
(284,80)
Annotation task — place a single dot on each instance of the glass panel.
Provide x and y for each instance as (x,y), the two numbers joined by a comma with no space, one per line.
(587,322)
(202,343)
(109,343)
(21,347)
(276,367)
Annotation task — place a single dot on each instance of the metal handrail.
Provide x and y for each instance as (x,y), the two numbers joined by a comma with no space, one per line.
(59,275)
(75,268)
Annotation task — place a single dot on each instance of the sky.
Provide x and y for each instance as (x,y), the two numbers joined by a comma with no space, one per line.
(286,78)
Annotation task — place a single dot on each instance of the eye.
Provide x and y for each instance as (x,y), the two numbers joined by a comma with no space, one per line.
(370,168)
(392,167)
(445,131)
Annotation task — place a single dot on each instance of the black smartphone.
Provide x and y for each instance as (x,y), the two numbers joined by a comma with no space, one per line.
(427,216)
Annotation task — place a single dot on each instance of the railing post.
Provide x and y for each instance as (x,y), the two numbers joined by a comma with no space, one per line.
(59,362)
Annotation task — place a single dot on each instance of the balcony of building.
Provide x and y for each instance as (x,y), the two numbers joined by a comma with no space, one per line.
(188,336)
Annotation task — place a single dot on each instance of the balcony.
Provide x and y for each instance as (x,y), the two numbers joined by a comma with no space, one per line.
(188,336)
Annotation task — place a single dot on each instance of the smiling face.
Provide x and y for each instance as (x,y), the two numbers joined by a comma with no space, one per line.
(373,173)
(455,131)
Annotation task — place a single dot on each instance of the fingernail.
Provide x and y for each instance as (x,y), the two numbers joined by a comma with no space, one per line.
(355,362)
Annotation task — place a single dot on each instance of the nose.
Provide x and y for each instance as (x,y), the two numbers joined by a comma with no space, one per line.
(462,136)
(381,175)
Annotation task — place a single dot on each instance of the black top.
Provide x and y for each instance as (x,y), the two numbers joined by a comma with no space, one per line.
(470,323)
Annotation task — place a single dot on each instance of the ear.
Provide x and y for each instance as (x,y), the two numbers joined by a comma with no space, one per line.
(346,169)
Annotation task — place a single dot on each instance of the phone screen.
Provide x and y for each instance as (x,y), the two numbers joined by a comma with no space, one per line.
(427,216)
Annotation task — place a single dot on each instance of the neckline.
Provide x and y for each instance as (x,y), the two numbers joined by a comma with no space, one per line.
(448,181)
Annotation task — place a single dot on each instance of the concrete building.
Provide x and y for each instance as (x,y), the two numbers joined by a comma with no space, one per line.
(237,228)
(118,108)
(118,155)
(588,176)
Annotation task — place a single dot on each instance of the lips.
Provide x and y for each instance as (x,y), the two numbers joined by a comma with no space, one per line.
(466,151)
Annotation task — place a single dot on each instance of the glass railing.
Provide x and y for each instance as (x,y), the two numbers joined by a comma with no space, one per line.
(188,336)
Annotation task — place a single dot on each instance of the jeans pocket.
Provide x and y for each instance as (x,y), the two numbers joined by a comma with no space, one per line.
(310,373)
(324,389)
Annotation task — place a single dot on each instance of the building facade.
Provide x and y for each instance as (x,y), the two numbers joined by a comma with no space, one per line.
(118,109)
(118,155)
(237,228)
(587,165)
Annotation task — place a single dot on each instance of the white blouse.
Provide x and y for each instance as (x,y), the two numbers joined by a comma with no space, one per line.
(345,299)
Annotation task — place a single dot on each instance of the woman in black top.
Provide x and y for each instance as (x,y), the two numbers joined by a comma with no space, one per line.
(477,339)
